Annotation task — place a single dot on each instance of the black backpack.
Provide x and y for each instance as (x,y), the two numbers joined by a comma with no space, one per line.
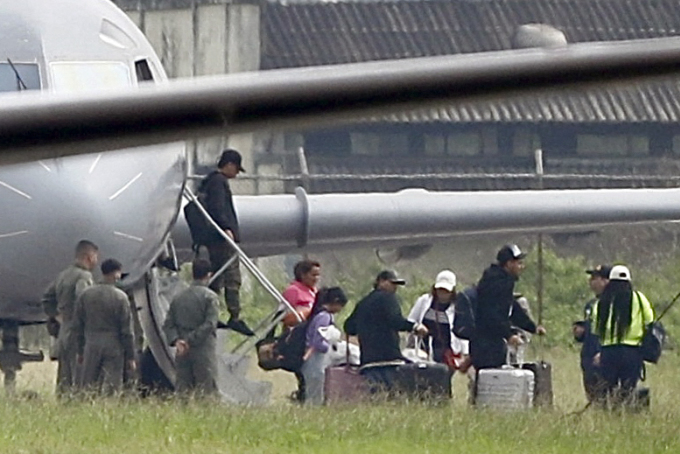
(202,232)
(290,347)
(654,337)
(198,224)
(464,320)
(652,342)
(285,351)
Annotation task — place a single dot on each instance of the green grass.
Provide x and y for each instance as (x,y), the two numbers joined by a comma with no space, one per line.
(43,425)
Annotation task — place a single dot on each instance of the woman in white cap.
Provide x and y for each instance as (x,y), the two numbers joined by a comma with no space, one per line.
(620,317)
(436,310)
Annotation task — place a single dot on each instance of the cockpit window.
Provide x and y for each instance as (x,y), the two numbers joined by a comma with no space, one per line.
(74,77)
(28,73)
(143,71)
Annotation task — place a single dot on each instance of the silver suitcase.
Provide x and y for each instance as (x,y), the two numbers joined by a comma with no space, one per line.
(507,389)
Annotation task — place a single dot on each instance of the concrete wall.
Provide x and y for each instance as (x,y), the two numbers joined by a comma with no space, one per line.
(204,37)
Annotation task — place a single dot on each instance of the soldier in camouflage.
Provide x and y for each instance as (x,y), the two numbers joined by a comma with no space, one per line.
(59,302)
(190,327)
(103,329)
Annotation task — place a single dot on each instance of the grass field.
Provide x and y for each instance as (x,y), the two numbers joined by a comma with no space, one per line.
(42,425)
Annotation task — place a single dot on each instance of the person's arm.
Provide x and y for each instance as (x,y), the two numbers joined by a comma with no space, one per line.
(315,340)
(521,319)
(83,284)
(49,300)
(169,326)
(125,320)
(593,318)
(350,325)
(79,328)
(199,335)
(395,320)
(232,220)
(647,310)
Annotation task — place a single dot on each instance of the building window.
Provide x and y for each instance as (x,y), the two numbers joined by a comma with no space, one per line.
(385,144)
(525,142)
(434,145)
(464,144)
(612,145)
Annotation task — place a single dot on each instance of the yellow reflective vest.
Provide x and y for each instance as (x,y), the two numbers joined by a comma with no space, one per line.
(641,315)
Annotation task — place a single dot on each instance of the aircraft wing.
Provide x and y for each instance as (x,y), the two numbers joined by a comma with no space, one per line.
(276,224)
(36,126)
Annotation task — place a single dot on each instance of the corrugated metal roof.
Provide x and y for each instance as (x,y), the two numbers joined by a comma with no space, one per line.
(308,34)
(475,174)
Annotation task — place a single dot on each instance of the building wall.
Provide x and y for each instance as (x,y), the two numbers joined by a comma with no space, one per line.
(201,38)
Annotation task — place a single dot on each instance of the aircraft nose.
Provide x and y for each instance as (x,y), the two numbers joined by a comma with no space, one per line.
(124,201)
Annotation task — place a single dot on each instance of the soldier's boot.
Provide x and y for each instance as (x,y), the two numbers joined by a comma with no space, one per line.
(234,307)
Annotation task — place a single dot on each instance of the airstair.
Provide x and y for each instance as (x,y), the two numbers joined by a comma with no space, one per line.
(233,357)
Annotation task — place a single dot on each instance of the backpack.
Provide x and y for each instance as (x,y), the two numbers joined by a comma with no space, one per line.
(464,320)
(202,232)
(285,351)
(654,337)
(290,347)
(652,342)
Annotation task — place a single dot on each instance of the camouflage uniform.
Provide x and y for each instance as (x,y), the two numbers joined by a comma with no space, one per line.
(103,330)
(130,377)
(59,299)
(193,317)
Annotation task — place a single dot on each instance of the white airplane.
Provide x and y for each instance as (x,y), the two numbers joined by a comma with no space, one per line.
(91,146)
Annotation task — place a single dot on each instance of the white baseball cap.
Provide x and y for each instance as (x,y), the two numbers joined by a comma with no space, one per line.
(620,273)
(445,279)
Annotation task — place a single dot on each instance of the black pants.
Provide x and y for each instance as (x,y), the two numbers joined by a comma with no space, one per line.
(620,366)
(593,384)
(488,352)
(220,252)
(301,391)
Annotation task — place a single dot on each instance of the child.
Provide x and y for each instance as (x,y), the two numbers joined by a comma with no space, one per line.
(329,301)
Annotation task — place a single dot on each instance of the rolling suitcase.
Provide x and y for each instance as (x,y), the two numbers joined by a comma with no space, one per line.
(344,384)
(543,390)
(427,381)
(423,378)
(508,388)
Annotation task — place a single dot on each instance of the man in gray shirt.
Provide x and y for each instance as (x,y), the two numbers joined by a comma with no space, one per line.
(59,302)
(103,330)
(190,327)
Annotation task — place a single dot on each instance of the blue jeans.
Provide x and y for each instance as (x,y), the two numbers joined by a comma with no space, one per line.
(314,373)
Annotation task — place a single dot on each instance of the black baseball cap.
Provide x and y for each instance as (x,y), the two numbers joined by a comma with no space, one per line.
(601,271)
(230,156)
(509,252)
(389,275)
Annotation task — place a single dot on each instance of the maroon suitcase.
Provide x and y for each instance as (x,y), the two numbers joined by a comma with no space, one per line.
(344,384)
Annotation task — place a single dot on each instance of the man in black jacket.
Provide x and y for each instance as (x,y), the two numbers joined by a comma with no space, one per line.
(497,310)
(220,206)
(377,320)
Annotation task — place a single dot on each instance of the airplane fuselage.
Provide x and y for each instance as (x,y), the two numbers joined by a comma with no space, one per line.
(125,201)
